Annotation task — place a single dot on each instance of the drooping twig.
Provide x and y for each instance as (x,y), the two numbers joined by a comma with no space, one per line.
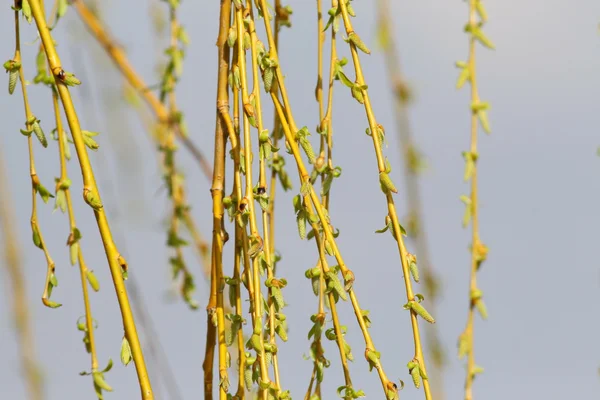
(412,168)
(91,194)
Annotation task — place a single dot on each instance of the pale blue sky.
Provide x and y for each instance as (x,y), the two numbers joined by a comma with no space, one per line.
(539,193)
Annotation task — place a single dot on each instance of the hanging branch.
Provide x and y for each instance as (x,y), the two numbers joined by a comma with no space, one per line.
(413,165)
(32,126)
(477,17)
(91,195)
(213,319)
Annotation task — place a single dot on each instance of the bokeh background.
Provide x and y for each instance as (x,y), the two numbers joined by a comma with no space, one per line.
(539,194)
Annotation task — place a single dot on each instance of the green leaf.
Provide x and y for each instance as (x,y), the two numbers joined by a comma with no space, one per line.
(126,355)
(278,297)
(333,283)
(68,78)
(479,7)
(93,280)
(357,41)
(36,237)
(53,280)
(345,80)
(74,253)
(358,94)
(478,34)
(481,308)
(463,77)
(463,346)
(414,373)
(92,199)
(39,133)
(61,201)
(100,382)
(26,10)
(89,142)
(414,271)
(174,240)
(44,193)
(301,223)
(108,366)
(61,9)
(51,304)
(386,183)
(420,310)
(13,77)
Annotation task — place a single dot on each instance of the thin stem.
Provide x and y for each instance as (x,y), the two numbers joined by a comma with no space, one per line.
(215,304)
(35,180)
(413,194)
(240,393)
(360,80)
(92,196)
(312,200)
(262,188)
(249,196)
(478,249)
(275,136)
(62,184)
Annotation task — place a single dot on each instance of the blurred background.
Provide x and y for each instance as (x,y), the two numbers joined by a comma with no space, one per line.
(539,195)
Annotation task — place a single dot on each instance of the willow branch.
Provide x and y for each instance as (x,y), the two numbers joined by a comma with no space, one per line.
(92,196)
(412,164)
(16,283)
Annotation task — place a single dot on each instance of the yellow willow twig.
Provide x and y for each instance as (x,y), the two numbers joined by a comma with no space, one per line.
(64,200)
(412,167)
(155,352)
(416,366)
(117,55)
(317,350)
(240,207)
(17,285)
(215,314)
(247,206)
(312,200)
(266,148)
(478,249)
(91,195)
(312,204)
(15,68)
(240,393)
(325,126)
(245,360)
(327,144)
(242,240)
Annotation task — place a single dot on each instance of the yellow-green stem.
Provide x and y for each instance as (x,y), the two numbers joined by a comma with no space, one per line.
(469,329)
(62,142)
(387,385)
(115,260)
(249,195)
(360,80)
(215,304)
(413,195)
